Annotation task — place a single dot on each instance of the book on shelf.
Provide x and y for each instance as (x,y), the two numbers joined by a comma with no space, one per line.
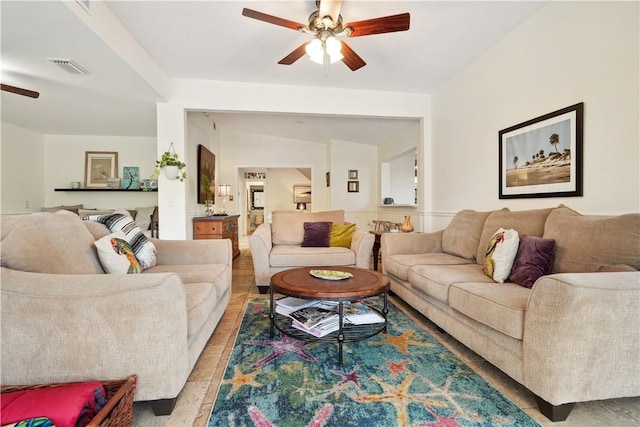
(360,314)
(314,316)
(318,332)
(287,305)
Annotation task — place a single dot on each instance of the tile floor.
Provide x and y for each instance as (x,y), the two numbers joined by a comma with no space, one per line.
(196,400)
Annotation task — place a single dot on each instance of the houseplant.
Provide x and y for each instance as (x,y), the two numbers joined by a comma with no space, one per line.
(171,165)
(208,200)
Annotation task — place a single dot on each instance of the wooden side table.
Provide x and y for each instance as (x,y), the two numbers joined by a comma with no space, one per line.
(218,227)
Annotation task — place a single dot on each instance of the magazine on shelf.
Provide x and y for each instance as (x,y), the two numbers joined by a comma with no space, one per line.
(316,331)
(287,305)
(314,316)
(360,314)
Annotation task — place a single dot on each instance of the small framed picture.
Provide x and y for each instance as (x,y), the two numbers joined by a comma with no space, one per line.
(99,166)
(353,174)
(130,177)
(353,186)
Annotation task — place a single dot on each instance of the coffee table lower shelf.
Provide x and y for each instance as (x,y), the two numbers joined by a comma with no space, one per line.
(348,333)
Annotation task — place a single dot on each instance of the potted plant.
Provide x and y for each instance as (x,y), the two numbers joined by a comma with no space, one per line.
(208,201)
(170,165)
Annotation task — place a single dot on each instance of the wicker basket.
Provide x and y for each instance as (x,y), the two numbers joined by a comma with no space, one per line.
(117,412)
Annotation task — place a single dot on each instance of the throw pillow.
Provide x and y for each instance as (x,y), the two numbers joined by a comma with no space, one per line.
(143,217)
(116,255)
(316,234)
(341,235)
(500,254)
(143,248)
(534,259)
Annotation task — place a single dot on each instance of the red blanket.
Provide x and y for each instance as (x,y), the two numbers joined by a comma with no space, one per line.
(69,405)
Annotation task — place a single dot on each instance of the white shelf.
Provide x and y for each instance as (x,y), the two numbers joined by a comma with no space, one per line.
(397,205)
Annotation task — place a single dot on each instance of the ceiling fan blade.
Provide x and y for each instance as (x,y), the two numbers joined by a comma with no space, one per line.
(350,58)
(294,56)
(330,8)
(249,13)
(19,91)
(386,24)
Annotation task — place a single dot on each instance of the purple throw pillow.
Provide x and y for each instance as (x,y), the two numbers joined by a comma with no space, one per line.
(534,259)
(316,234)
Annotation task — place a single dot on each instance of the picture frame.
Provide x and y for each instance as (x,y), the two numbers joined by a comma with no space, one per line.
(528,170)
(353,174)
(301,194)
(99,167)
(206,167)
(130,177)
(353,186)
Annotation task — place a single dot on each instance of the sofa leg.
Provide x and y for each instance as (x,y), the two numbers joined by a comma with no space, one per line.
(263,289)
(555,413)
(163,406)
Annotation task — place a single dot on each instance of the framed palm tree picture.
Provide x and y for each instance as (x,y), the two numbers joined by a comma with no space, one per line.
(542,157)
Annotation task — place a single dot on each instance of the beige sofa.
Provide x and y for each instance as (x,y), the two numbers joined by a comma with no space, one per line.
(276,246)
(64,319)
(573,337)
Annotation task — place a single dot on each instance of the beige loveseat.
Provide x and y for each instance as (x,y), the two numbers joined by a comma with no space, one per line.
(573,337)
(64,319)
(276,246)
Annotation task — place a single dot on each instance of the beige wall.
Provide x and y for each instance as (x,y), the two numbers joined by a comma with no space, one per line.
(568,52)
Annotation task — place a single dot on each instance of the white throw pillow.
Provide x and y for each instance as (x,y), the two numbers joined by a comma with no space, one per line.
(501,252)
(116,255)
(143,217)
(143,248)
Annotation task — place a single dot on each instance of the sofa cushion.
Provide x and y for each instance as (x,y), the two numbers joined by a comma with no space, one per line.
(499,306)
(296,256)
(500,254)
(435,280)
(529,222)
(48,243)
(202,300)
(587,243)
(116,255)
(192,273)
(534,259)
(287,226)
(399,265)
(462,235)
(316,234)
(341,235)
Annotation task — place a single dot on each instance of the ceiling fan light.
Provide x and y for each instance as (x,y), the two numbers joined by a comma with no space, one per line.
(333,45)
(315,51)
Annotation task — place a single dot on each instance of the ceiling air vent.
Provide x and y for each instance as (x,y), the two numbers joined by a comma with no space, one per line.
(69,66)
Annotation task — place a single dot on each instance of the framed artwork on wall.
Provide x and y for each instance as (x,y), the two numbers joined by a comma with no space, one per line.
(542,157)
(99,167)
(353,174)
(353,186)
(206,174)
(301,194)
(130,177)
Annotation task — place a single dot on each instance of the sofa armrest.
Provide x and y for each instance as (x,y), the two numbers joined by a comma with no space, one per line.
(260,245)
(362,245)
(76,327)
(582,337)
(188,252)
(410,243)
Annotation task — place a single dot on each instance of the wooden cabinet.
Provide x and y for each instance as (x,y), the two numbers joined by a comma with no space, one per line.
(218,227)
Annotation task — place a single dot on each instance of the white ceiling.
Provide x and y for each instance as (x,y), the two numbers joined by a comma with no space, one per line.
(212,40)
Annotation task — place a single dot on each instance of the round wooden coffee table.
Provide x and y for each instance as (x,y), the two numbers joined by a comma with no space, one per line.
(299,283)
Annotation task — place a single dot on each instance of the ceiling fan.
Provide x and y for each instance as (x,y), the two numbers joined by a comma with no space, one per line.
(325,24)
(19,91)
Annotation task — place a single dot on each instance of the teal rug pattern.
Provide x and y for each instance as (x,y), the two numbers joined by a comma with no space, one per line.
(402,378)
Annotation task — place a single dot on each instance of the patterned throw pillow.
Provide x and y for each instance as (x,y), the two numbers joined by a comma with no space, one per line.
(116,255)
(144,250)
(501,252)
(341,235)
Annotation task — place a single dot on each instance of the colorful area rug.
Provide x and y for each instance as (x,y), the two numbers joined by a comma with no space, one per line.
(403,378)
